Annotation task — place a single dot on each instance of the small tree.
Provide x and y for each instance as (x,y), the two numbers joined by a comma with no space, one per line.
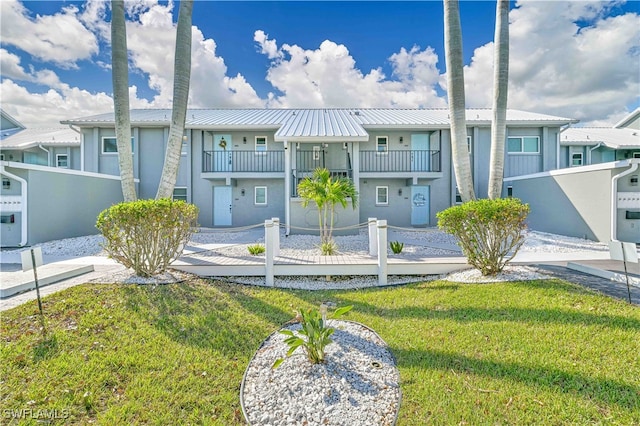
(490,232)
(326,191)
(147,235)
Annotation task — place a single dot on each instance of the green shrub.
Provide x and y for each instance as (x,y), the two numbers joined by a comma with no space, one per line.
(256,249)
(396,247)
(315,335)
(490,232)
(147,235)
(328,248)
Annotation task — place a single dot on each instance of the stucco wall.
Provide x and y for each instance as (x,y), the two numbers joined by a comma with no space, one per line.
(575,203)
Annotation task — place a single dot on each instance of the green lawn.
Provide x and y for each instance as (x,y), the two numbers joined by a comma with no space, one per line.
(539,352)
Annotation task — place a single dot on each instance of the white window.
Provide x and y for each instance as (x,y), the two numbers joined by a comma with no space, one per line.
(523,144)
(180,193)
(6,183)
(382,144)
(184,148)
(458,196)
(636,155)
(576,159)
(62,161)
(261,144)
(110,145)
(382,195)
(260,195)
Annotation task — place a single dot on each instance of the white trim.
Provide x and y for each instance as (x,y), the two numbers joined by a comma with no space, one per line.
(102,151)
(186,193)
(255,145)
(26,166)
(523,152)
(614,197)
(378,203)
(572,170)
(573,154)
(255,195)
(386,144)
(58,161)
(23,193)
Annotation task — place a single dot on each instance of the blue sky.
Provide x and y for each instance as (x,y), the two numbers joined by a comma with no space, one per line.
(574,59)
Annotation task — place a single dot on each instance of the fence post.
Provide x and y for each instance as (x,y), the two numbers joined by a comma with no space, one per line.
(373,239)
(382,252)
(276,236)
(268,242)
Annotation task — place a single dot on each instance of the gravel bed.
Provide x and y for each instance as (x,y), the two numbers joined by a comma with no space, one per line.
(358,384)
(333,283)
(509,273)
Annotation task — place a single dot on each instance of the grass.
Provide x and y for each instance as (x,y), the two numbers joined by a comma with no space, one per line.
(539,352)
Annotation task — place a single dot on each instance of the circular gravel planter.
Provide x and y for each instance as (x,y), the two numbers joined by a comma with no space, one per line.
(359,384)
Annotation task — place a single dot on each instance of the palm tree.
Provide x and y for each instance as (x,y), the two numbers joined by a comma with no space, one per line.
(181,79)
(326,192)
(455,95)
(500,88)
(120,77)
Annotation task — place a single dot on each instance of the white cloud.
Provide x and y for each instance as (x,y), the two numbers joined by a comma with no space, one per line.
(60,38)
(328,77)
(556,67)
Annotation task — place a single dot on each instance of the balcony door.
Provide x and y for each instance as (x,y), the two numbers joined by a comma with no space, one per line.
(420,154)
(419,205)
(222,146)
(222,204)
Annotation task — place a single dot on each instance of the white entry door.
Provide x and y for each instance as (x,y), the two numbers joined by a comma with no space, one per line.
(222,155)
(420,155)
(419,205)
(222,203)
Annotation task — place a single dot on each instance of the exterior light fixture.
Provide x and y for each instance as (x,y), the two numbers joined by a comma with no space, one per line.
(400,192)
(323,312)
(242,192)
(401,138)
(244,139)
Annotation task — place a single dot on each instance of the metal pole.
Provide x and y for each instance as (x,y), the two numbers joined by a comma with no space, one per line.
(35,276)
(626,274)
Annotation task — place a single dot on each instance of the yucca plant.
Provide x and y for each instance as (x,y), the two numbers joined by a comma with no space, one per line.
(396,247)
(256,249)
(314,335)
(328,248)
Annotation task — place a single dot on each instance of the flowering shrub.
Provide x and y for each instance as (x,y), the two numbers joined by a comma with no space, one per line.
(490,232)
(147,235)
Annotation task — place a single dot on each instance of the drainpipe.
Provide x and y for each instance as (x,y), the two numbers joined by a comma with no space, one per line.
(23,195)
(614,199)
(562,129)
(591,150)
(287,187)
(48,154)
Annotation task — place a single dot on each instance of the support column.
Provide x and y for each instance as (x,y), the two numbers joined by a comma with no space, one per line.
(382,252)
(373,236)
(276,236)
(268,242)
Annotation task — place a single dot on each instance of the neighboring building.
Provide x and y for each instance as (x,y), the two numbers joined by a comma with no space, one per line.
(242,166)
(58,147)
(595,192)
(580,146)
(8,125)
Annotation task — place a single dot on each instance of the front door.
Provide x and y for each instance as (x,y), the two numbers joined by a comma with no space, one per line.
(222,205)
(419,205)
(420,154)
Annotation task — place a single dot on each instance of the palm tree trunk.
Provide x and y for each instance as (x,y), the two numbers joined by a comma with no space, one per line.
(181,79)
(120,79)
(456,98)
(500,88)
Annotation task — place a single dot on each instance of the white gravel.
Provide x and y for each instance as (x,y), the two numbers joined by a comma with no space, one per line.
(358,385)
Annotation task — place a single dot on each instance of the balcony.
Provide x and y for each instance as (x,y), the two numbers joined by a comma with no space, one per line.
(242,162)
(400,161)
